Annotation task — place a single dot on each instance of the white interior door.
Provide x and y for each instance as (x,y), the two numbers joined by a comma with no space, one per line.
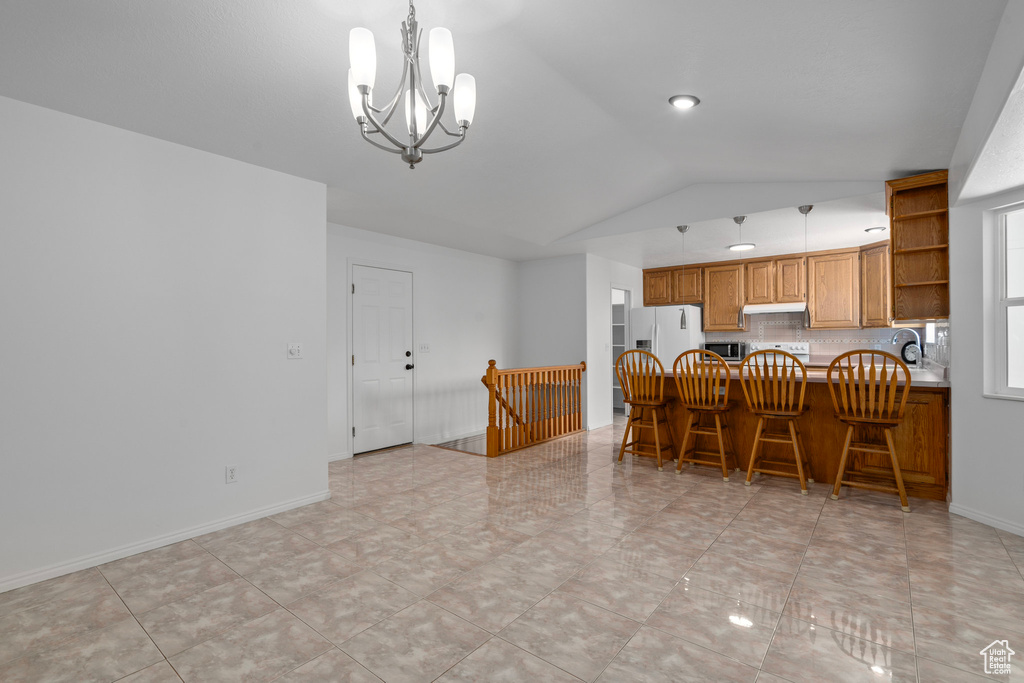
(382,358)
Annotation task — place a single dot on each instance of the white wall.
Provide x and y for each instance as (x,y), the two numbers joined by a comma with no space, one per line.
(148,292)
(464,306)
(602,276)
(987,467)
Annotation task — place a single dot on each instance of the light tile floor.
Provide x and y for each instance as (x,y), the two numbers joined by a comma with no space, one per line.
(551,564)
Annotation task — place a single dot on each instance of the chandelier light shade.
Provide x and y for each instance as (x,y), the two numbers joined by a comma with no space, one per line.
(422,117)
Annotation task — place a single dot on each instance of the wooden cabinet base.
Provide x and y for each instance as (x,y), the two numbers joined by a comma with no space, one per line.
(921,440)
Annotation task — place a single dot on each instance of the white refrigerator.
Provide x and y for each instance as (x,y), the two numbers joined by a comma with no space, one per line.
(666,331)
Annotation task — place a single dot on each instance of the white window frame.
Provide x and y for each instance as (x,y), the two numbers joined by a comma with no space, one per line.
(1002,304)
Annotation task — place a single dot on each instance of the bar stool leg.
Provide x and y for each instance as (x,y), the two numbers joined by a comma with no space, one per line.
(842,463)
(754,451)
(799,457)
(896,470)
(625,436)
(686,440)
(803,452)
(657,436)
(721,447)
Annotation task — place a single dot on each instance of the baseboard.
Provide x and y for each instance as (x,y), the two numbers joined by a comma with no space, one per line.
(987,519)
(339,456)
(35,575)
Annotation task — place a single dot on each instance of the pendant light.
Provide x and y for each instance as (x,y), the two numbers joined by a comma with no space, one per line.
(741,245)
(682,236)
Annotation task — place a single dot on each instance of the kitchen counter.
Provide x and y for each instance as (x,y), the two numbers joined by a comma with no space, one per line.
(921,440)
(817,371)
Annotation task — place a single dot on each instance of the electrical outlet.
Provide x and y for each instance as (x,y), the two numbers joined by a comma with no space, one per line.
(230,474)
(294,351)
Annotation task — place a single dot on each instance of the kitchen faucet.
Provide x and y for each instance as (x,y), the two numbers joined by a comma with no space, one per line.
(911,330)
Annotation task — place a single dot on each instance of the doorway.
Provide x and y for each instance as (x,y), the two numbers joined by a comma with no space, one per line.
(382,360)
(620,335)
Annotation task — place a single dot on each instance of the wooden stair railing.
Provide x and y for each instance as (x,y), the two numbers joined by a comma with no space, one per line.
(527,406)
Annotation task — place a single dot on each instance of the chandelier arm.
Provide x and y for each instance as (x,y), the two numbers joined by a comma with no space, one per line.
(366,136)
(380,128)
(441,125)
(446,147)
(433,122)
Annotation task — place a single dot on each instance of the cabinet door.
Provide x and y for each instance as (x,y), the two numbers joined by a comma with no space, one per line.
(833,290)
(789,280)
(657,287)
(723,298)
(874,287)
(687,286)
(760,281)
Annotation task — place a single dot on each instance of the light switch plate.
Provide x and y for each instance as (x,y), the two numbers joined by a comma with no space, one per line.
(424,348)
(294,351)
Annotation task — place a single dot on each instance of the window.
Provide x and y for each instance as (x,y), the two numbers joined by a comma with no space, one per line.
(1010,306)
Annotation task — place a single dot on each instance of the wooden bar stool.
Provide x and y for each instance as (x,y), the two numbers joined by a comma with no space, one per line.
(642,379)
(866,393)
(702,378)
(770,385)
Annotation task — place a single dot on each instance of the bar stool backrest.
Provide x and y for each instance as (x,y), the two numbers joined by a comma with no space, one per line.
(773,381)
(641,377)
(702,378)
(865,386)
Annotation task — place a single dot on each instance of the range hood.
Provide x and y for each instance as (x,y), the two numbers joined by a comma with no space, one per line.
(752,309)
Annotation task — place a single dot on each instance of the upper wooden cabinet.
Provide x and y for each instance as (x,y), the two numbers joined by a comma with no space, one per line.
(833,290)
(760,282)
(657,287)
(874,286)
(723,298)
(790,279)
(918,209)
(687,285)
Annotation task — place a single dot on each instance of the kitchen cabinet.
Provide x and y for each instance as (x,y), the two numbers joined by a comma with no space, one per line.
(687,285)
(760,282)
(658,287)
(833,290)
(918,209)
(723,298)
(874,286)
(789,280)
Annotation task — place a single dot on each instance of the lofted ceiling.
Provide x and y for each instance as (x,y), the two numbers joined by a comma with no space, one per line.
(574,147)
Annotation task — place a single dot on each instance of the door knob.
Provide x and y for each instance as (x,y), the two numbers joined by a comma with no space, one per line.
(408,353)
(409,366)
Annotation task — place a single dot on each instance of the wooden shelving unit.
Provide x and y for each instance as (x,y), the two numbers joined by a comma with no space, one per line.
(918,209)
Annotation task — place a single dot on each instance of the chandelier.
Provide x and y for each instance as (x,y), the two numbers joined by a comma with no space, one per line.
(421,118)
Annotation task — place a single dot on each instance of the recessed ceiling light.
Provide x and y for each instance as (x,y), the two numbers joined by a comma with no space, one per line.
(742,246)
(684,101)
(877,228)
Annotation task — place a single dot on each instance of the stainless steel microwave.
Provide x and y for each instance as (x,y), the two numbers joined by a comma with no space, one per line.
(727,350)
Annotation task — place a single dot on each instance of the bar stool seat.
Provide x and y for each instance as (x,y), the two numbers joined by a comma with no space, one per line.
(869,389)
(773,393)
(642,379)
(702,378)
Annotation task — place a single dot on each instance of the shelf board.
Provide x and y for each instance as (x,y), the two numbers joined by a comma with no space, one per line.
(919,214)
(923,284)
(915,250)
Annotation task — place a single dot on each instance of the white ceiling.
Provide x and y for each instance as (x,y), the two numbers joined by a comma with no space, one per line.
(574,147)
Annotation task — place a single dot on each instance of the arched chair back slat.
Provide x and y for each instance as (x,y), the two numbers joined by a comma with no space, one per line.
(702,378)
(641,377)
(774,382)
(866,386)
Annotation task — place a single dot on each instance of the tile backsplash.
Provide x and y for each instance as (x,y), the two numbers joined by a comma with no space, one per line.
(782,327)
